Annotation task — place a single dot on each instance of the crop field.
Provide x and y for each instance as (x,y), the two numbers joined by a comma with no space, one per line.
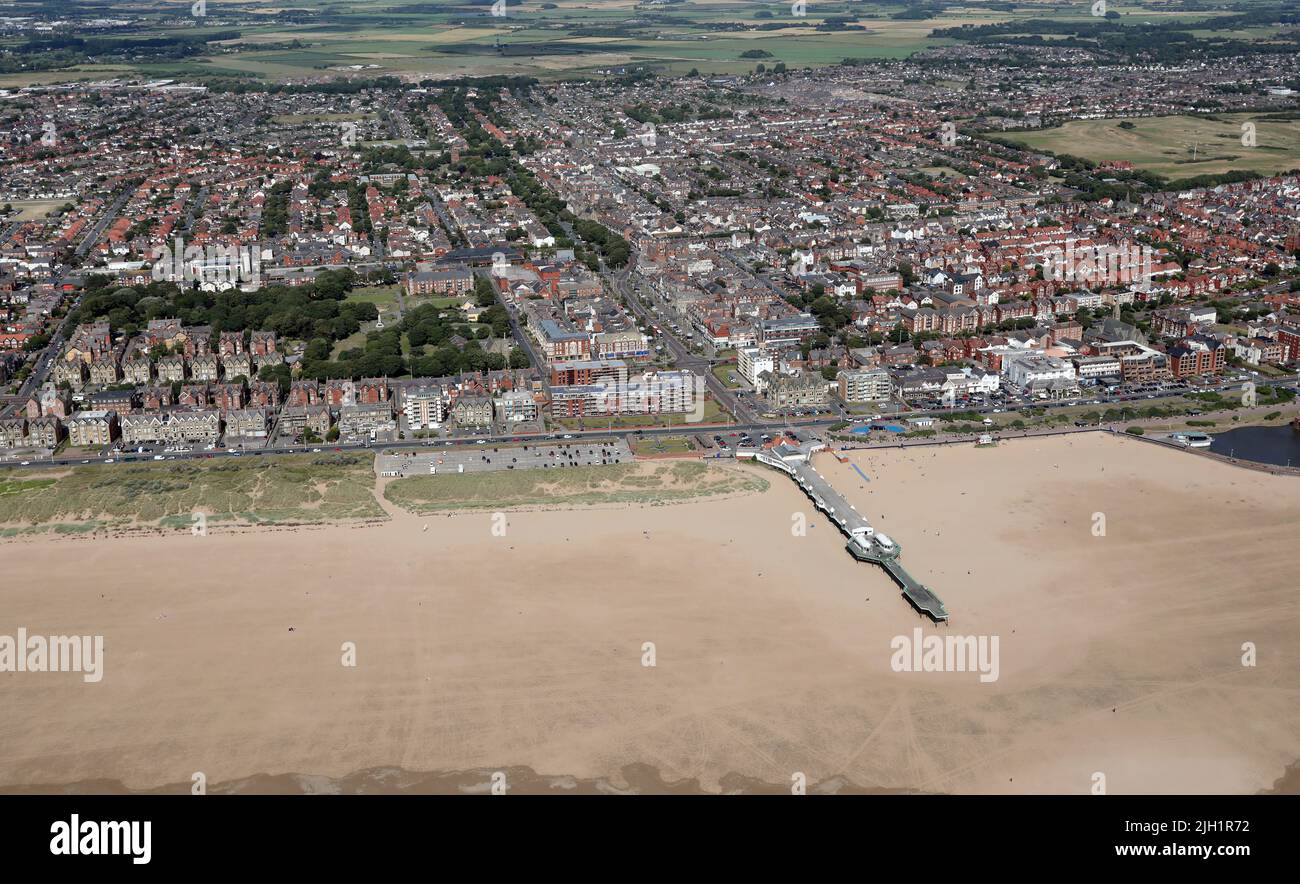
(250,490)
(1177,146)
(571,486)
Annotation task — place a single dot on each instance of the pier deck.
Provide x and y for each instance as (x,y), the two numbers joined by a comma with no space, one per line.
(797,463)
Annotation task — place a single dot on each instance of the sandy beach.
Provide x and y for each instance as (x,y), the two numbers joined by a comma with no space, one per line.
(482,650)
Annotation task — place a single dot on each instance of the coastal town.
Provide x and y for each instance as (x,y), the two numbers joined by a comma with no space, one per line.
(859,397)
(399,262)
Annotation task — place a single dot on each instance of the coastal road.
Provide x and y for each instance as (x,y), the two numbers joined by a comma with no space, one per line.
(750,424)
(573,436)
(707,430)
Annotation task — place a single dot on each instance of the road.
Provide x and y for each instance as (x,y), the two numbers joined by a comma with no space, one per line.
(45,361)
(624,282)
(475,442)
(110,215)
(521,337)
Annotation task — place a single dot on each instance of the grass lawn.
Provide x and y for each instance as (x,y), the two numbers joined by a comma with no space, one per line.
(724,373)
(383,297)
(650,445)
(356,340)
(443,303)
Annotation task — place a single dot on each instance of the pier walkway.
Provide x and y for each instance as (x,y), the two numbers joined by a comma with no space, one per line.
(865,543)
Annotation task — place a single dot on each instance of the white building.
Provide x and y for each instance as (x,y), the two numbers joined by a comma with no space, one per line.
(425,407)
(867,385)
(1024,370)
(1098,367)
(752,362)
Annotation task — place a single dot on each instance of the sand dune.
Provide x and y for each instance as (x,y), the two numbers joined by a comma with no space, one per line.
(1119,654)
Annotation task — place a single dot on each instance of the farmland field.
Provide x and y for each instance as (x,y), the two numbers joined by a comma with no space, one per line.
(442,38)
(315,39)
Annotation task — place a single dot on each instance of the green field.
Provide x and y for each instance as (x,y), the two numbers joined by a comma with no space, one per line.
(572,486)
(652,445)
(1176,146)
(725,372)
(384,297)
(251,490)
(565,38)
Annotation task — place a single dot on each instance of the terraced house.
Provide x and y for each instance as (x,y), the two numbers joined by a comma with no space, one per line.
(194,426)
(247,423)
(171,369)
(473,411)
(238,365)
(45,432)
(142,429)
(13,432)
(138,370)
(204,368)
(360,422)
(104,370)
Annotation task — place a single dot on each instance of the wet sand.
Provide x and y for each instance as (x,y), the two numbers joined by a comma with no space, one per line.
(477,653)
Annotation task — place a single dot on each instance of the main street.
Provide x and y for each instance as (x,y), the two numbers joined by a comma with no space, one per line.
(625,283)
(44,361)
(107,218)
